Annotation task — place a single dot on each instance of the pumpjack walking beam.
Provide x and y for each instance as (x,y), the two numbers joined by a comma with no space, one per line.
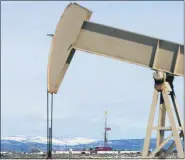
(164,87)
(74,32)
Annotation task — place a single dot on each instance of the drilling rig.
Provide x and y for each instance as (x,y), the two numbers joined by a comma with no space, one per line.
(106,129)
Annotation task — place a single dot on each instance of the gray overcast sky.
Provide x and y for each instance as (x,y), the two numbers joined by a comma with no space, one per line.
(92,84)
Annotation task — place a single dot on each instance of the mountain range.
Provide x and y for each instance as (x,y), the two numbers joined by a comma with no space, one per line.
(26,144)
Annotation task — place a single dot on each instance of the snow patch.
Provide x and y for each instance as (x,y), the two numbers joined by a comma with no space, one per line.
(55,141)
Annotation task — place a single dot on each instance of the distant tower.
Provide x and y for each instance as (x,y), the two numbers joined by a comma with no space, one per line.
(106,129)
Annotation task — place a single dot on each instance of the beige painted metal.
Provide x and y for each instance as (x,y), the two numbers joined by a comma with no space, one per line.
(150,124)
(175,128)
(166,128)
(131,47)
(176,107)
(171,147)
(176,136)
(66,33)
(174,101)
(74,31)
(161,124)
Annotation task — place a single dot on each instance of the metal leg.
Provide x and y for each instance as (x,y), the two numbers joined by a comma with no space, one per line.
(173,124)
(175,104)
(51,122)
(50,149)
(161,121)
(47,122)
(150,124)
(49,127)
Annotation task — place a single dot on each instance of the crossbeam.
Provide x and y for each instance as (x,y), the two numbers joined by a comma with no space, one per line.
(75,32)
(165,128)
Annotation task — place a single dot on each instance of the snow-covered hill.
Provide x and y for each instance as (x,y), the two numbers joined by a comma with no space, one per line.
(26,144)
(43,140)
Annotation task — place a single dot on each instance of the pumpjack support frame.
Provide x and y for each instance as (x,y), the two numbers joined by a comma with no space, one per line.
(164,89)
